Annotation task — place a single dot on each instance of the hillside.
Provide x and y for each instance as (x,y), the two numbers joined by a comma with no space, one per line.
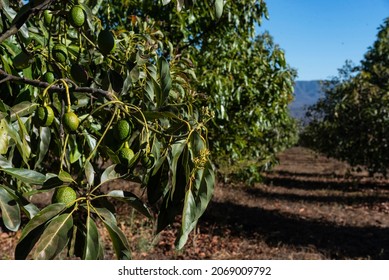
(306,93)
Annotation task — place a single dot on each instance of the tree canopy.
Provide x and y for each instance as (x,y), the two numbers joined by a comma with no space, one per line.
(351,121)
(241,76)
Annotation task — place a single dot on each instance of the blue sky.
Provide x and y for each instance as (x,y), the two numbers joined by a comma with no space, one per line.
(319,35)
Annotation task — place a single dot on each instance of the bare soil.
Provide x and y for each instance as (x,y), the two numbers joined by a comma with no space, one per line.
(308,207)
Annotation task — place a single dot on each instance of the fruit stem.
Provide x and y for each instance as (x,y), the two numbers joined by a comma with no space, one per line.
(102,136)
(100,107)
(144,123)
(67,94)
(89,41)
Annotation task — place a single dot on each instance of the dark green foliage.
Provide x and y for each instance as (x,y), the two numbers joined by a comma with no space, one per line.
(351,122)
(103,74)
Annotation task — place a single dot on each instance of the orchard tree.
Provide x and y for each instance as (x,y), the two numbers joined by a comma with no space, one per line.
(351,122)
(242,77)
(83,86)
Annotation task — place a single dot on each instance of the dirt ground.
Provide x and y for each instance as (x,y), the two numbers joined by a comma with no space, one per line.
(308,207)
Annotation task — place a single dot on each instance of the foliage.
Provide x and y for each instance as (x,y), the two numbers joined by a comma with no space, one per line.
(351,122)
(243,78)
(96,84)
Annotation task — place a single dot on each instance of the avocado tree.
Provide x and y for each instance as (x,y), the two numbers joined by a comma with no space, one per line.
(241,76)
(88,98)
(351,121)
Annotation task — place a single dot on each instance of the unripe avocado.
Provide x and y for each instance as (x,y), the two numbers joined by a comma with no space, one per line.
(47,17)
(79,74)
(60,53)
(125,156)
(49,77)
(106,42)
(70,122)
(65,195)
(122,130)
(44,116)
(148,161)
(76,16)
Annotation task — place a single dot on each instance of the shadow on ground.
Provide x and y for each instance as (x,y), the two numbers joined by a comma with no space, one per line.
(340,198)
(304,181)
(334,241)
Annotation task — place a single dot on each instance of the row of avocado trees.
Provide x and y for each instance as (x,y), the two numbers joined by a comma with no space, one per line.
(351,121)
(154,89)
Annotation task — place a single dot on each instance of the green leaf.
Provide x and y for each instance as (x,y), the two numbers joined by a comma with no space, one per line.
(34,228)
(219,8)
(203,187)
(54,238)
(65,177)
(4,140)
(22,146)
(105,214)
(22,109)
(90,140)
(119,241)
(149,90)
(89,173)
(189,219)
(4,107)
(28,208)
(197,199)
(42,217)
(166,80)
(109,174)
(10,211)
(52,181)
(157,183)
(26,175)
(92,242)
(132,200)
(74,153)
(5,163)
(176,151)
(180,4)
(44,143)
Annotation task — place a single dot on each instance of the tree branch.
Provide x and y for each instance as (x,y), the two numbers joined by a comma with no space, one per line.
(22,18)
(36,83)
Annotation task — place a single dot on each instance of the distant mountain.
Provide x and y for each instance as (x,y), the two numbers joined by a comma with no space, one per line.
(306,93)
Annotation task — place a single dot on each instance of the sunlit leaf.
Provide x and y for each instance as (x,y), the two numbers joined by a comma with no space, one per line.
(74,153)
(25,175)
(196,201)
(45,139)
(23,109)
(89,173)
(65,177)
(189,218)
(219,8)
(10,211)
(176,151)
(109,174)
(54,238)
(4,140)
(32,231)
